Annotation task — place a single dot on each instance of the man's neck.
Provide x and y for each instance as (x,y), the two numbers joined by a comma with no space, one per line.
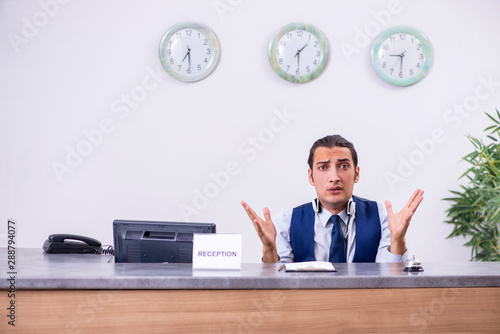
(333,209)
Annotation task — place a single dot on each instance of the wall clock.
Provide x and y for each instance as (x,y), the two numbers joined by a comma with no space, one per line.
(189,51)
(298,52)
(401,55)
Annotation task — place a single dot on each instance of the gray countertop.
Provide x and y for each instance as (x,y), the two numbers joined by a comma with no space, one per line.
(34,269)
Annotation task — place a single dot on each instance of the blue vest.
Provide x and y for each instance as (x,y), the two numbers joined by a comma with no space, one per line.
(368,231)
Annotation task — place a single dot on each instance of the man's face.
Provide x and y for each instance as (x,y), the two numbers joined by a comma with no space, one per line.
(333,176)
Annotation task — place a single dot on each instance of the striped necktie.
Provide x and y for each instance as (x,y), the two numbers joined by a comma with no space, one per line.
(337,247)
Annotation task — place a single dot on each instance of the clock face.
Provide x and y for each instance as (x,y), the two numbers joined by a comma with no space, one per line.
(298,52)
(401,56)
(189,51)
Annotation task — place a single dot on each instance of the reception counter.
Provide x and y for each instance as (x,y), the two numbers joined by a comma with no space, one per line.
(71,293)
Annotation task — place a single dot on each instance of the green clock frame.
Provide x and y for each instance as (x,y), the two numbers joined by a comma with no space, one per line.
(180,30)
(274,59)
(396,80)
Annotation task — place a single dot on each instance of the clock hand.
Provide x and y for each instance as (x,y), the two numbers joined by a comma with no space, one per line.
(298,56)
(392,68)
(298,59)
(402,54)
(401,65)
(302,48)
(188,54)
(185,56)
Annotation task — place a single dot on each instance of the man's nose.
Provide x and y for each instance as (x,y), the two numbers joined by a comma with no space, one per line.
(334,175)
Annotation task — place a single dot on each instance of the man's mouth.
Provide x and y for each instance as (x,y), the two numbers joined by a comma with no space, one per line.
(335,190)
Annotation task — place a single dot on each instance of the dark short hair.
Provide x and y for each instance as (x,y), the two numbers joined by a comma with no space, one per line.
(331,142)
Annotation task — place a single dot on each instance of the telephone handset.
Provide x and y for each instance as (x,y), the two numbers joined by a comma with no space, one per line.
(71,243)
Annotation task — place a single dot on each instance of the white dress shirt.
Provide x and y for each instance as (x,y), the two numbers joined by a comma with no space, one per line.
(323,235)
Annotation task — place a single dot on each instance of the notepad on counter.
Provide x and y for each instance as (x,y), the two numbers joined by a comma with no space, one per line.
(310,266)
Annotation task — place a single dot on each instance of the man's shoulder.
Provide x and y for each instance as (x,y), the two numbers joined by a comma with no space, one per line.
(286,215)
(379,205)
(305,205)
(361,199)
(287,212)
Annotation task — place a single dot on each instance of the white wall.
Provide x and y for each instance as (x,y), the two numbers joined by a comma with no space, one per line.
(71,73)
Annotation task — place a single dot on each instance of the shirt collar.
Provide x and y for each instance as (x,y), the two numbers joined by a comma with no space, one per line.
(325,215)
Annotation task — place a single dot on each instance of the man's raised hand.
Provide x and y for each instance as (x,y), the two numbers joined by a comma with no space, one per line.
(266,232)
(399,222)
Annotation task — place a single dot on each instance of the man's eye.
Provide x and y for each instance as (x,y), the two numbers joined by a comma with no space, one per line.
(322,167)
(344,166)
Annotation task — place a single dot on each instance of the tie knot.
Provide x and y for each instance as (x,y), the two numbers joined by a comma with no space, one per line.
(338,223)
(335,219)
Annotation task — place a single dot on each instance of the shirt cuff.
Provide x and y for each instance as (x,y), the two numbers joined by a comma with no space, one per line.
(391,258)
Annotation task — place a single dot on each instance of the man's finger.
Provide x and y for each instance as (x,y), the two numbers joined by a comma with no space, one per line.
(257,226)
(267,215)
(412,198)
(417,200)
(388,206)
(251,214)
(416,203)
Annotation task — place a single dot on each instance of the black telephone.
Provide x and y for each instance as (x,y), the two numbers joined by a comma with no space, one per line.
(60,243)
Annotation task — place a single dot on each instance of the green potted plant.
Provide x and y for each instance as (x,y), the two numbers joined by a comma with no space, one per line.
(475,210)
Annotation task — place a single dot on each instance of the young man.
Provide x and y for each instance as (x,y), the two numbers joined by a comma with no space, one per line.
(336,226)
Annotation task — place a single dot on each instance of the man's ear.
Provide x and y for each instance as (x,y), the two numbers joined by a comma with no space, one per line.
(356,175)
(310,176)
